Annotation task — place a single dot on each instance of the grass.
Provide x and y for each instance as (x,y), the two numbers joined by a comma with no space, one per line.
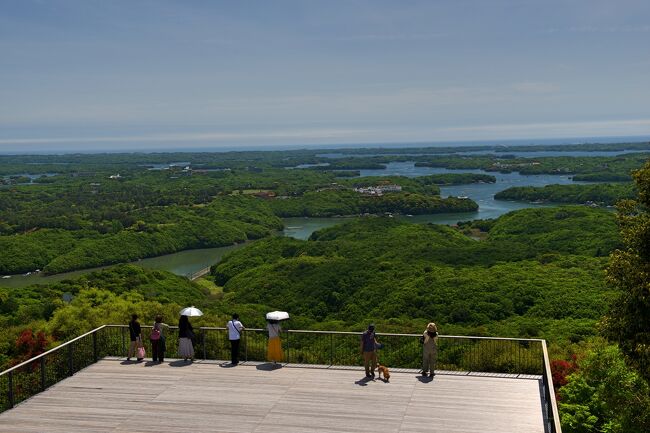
(207,283)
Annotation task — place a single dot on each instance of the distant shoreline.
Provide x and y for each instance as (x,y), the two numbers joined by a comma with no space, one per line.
(22,145)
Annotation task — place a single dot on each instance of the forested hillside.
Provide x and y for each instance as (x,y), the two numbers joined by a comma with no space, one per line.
(539,272)
(151,231)
(84,220)
(601,194)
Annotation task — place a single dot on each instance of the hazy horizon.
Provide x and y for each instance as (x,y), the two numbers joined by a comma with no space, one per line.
(333,146)
(91,75)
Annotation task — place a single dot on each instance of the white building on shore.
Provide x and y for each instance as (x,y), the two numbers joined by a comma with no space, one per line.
(378,190)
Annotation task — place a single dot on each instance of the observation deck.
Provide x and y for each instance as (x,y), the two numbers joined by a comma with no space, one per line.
(62,391)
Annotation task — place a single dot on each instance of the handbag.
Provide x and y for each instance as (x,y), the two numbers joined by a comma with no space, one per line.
(155,334)
(141,352)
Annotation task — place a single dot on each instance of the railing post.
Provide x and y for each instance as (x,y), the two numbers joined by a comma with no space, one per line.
(331,349)
(95,346)
(546,412)
(203,342)
(11,389)
(70,362)
(245,345)
(288,347)
(42,373)
(124,352)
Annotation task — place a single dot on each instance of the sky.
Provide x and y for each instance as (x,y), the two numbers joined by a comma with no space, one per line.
(111,75)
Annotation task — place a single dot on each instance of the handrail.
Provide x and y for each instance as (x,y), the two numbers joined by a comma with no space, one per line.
(387,334)
(556,426)
(54,349)
(296,331)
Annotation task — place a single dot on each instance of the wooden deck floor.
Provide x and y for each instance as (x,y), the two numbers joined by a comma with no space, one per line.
(111,396)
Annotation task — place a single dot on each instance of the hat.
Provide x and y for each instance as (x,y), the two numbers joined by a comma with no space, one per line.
(431,327)
(371,326)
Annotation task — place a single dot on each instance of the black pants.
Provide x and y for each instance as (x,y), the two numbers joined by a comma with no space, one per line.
(158,349)
(234,351)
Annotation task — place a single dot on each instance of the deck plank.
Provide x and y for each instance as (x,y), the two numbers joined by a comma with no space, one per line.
(114,397)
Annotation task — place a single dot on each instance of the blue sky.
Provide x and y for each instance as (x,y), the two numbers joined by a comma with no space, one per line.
(96,74)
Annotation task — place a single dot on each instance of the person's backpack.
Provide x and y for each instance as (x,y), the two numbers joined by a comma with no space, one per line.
(368,339)
(155,334)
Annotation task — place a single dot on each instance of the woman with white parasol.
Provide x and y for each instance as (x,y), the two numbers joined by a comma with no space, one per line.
(186,333)
(274,352)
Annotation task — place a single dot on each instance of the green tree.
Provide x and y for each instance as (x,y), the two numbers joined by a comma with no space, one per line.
(628,321)
(604,395)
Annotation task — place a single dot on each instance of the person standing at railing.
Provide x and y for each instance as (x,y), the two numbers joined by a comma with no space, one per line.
(274,350)
(369,350)
(157,337)
(234,335)
(135,332)
(185,337)
(429,341)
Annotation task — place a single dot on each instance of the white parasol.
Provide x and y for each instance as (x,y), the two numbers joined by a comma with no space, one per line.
(191,311)
(277,315)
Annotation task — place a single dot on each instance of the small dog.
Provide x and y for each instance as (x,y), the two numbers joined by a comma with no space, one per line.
(383,369)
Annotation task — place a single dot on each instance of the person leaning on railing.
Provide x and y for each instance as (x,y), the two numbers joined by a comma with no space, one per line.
(234,335)
(274,350)
(429,349)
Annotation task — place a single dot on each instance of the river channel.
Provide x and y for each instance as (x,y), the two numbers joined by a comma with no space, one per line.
(182,263)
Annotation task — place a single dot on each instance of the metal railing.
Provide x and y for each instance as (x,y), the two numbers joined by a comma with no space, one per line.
(198,274)
(39,373)
(400,351)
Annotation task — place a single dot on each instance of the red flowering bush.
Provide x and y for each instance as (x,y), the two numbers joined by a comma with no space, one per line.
(560,370)
(29,345)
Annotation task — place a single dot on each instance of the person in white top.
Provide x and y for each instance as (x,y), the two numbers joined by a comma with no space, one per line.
(234,335)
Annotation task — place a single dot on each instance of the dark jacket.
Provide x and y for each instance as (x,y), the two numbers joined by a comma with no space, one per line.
(185,330)
(134,330)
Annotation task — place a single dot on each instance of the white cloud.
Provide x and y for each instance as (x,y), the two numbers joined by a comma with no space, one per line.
(535,87)
(600,29)
(362,104)
(383,37)
(631,127)
(320,134)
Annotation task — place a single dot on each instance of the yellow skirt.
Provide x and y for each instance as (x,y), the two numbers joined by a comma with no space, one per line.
(275,350)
